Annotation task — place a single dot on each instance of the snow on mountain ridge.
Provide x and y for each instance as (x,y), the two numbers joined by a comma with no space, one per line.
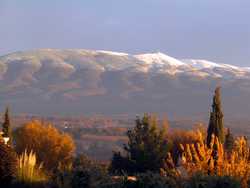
(159,62)
(159,58)
(73,59)
(113,53)
(200,63)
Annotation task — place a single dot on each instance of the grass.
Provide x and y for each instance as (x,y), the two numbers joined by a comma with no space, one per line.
(28,169)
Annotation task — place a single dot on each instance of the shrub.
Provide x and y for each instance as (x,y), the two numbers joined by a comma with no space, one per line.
(28,170)
(88,173)
(30,185)
(205,181)
(149,180)
(8,164)
(178,137)
(50,145)
(84,173)
(145,180)
(119,164)
(214,160)
(146,149)
(62,177)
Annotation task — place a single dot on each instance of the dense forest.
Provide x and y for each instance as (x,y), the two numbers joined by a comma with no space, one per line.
(37,154)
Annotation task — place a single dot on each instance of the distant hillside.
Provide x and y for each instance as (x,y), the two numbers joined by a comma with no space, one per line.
(49,81)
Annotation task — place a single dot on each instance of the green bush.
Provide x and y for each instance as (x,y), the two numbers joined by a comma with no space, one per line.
(84,173)
(88,173)
(62,178)
(151,180)
(145,180)
(146,149)
(205,181)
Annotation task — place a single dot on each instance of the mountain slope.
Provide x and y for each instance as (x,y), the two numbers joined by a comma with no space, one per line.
(85,81)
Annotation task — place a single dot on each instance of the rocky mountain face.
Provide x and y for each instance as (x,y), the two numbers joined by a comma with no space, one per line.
(83,81)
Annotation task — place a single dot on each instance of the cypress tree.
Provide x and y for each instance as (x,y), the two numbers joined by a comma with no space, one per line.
(216,126)
(6,127)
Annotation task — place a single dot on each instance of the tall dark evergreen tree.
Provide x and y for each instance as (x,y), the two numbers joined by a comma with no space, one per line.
(216,125)
(7,126)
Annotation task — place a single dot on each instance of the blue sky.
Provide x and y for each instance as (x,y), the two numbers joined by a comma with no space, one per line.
(216,30)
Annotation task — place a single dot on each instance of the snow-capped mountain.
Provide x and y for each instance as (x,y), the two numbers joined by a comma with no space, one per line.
(80,81)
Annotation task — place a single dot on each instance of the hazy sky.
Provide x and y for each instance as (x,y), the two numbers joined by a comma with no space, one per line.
(217,30)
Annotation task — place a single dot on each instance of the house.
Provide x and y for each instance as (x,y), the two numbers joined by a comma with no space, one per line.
(3,139)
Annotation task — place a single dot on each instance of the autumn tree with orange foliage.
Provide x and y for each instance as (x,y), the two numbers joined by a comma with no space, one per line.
(215,160)
(52,147)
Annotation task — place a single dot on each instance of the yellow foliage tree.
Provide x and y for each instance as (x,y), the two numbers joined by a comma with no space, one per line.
(50,145)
